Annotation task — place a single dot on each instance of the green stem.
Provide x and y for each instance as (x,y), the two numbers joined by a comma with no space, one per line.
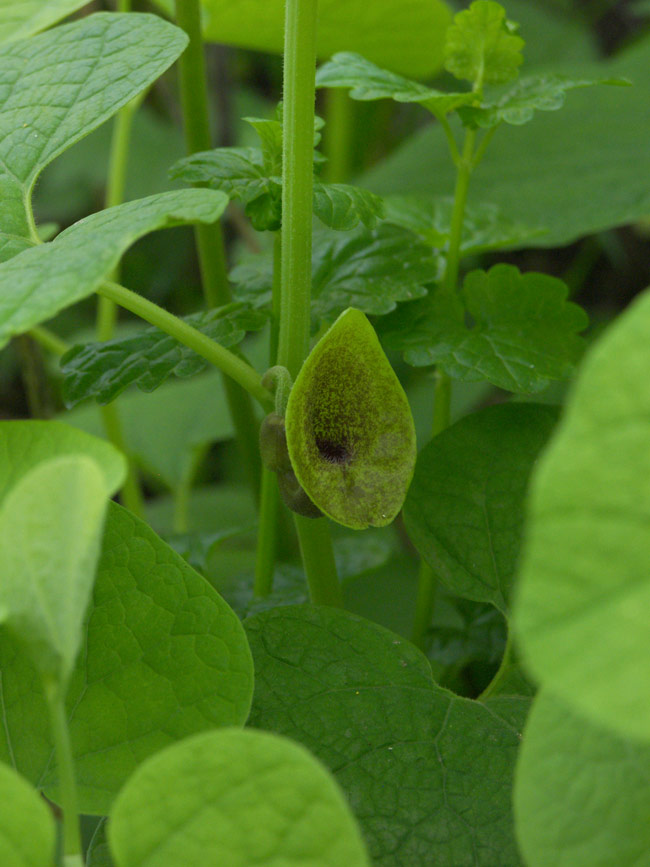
(463,174)
(209,237)
(65,767)
(49,340)
(338,134)
(276,296)
(226,361)
(131,493)
(180,520)
(506,662)
(267,536)
(318,560)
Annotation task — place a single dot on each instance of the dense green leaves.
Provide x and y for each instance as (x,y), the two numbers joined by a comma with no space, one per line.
(404,35)
(427,773)
(584,592)
(42,280)
(480,46)
(27,834)
(582,180)
(524,331)
(369,270)
(22,18)
(59,86)
(51,523)
(349,427)
(581,793)
(464,509)
(163,657)
(368,81)
(236,797)
(104,370)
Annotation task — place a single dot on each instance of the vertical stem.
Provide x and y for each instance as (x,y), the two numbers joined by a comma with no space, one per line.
(65,767)
(297,194)
(131,493)
(276,297)
(464,171)
(338,134)
(209,238)
(267,536)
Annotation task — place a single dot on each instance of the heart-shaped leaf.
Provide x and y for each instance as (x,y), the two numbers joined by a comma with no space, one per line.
(350,431)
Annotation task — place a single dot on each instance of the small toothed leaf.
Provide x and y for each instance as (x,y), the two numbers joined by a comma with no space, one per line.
(349,427)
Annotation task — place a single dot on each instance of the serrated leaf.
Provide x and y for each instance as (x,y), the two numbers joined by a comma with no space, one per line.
(518,105)
(62,84)
(22,18)
(42,280)
(163,657)
(485,226)
(51,524)
(368,81)
(480,47)
(238,172)
(270,134)
(524,331)
(104,370)
(581,792)
(342,206)
(584,594)
(428,774)
(404,35)
(27,831)
(371,270)
(465,508)
(252,797)
(349,427)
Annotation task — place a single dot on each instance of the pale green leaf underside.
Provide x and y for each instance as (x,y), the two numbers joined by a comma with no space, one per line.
(404,35)
(583,613)
(27,832)
(58,86)
(581,792)
(479,48)
(162,657)
(51,523)
(40,281)
(367,81)
(427,774)
(570,173)
(148,358)
(236,797)
(25,444)
(464,509)
(22,18)
(523,335)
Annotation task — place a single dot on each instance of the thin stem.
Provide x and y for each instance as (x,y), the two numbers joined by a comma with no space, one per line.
(267,536)
(297,181)
(131,493)
(49,340)
(338,134)
(506,662)
(180,520)
(318,560)
(209,237)
(480,150)
(65,766)
(463,174)
(451,141)
(226,361)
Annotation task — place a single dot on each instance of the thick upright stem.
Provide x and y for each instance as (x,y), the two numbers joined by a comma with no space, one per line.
(209,238)
(67,784)
(297,192)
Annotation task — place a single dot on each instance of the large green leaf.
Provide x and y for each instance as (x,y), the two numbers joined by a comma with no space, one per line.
(428,774)
(27,832)
(163,657)
(371,270)
(464,509)
(59,86)
(234,798)
(42,280)
(406,36)
(572,172)
(148,358)
(583,609)
(164,429)
(524,332)
(582,793)
(51,525)
(22,18)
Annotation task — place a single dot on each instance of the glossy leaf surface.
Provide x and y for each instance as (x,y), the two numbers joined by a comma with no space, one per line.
(237,797)
(349,427)
(584,594)
(427,774)
(465,508)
